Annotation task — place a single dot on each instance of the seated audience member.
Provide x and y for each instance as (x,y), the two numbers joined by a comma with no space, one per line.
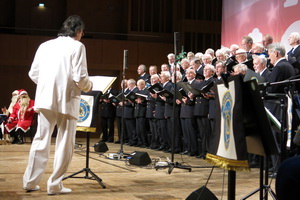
(7,112)
(21,117)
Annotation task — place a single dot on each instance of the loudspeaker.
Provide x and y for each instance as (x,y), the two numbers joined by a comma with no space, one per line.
(202,193)
(139,158)
(101,147)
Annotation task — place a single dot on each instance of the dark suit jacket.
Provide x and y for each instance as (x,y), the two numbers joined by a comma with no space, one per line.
(199,73)
(141,108)
(108,110)
(187,109)
(201,103)
(129,107)
(160,104)
(281,71)
(266,73)
(294,59)
(146,77)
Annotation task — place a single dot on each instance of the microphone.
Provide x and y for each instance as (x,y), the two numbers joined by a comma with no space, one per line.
(125,59)
(225,79)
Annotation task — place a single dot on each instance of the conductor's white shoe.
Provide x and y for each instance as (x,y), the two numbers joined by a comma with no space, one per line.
(64,190)
(32,189)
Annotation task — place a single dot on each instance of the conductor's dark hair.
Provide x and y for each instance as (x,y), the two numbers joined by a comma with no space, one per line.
(71,26)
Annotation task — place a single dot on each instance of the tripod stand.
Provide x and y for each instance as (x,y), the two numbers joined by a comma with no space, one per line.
(87,170)
(264,187)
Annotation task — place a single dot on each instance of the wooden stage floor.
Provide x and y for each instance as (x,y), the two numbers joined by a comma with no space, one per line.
(122,180)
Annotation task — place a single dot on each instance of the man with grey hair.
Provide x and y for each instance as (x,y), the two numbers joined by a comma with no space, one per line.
(260,66)
(282,69)
(196,65)
(171,60)
(294,53)
(142,71)
(240,69)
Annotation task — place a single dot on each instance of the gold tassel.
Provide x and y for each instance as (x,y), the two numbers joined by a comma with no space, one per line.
(229,164)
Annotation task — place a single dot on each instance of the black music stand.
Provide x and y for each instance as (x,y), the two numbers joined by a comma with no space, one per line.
(87,170)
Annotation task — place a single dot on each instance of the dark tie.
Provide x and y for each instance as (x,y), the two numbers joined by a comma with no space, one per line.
(291,51)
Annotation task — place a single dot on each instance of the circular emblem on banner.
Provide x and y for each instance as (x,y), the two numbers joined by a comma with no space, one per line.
(226,114)
(85,110)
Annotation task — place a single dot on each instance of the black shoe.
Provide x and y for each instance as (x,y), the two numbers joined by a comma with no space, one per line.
(20,142)
(16,140)
(184,153)
(117,142)
(177,151)
(192,154)
(167,150)
(110,141)
(160,148)
(202,156)
(254,164)
(273,175)
(154,146)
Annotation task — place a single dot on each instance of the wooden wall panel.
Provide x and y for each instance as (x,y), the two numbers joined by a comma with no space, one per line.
(105,57)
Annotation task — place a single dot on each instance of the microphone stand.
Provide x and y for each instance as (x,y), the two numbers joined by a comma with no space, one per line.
(173,164)
(121,153)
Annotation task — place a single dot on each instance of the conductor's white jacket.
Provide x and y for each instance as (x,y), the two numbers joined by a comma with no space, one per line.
(60,71)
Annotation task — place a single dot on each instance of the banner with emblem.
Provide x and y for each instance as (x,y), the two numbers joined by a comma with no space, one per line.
(86,111)
(228,147)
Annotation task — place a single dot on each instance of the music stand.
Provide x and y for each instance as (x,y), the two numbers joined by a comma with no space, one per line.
(87,169)
(86,123)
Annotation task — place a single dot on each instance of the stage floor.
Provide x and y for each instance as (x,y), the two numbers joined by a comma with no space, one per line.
(122,181)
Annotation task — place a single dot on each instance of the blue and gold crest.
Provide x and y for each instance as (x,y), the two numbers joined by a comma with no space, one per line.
(85,110)
(226,114)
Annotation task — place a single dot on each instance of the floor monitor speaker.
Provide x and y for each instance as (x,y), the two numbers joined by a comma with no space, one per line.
(202,193)
(139,158)
(101,147)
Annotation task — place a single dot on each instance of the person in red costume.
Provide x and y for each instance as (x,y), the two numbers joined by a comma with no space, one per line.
(21,117)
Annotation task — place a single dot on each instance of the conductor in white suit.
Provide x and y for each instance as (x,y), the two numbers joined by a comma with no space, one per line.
(60,71)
